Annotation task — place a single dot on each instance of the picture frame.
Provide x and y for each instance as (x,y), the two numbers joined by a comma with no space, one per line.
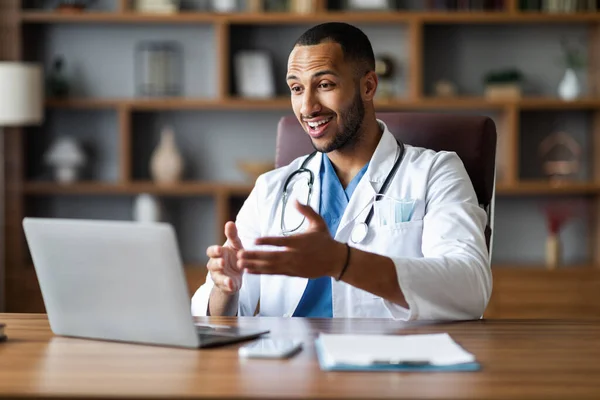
(254,76)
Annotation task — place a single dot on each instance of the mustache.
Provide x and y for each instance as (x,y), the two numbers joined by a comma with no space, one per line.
(315,115)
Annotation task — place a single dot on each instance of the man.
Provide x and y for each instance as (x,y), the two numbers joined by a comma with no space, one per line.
(422,253)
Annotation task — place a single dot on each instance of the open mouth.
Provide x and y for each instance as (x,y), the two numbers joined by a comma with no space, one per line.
(317,127)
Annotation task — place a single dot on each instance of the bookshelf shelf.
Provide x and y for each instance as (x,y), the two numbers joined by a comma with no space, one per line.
(433,17)
(172,103)
(97,188)
(214,188)
(283,103)
(506,17)
(546,188)
(45,17)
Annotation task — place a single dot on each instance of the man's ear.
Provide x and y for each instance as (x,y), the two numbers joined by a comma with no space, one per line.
(368,86)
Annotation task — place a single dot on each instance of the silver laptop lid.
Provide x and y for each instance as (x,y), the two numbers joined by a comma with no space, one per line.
(112,280)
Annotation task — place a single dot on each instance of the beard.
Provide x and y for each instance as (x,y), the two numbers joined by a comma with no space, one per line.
(348,134)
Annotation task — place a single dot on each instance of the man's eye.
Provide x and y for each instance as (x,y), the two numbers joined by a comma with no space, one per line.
(295,89)
(326,85)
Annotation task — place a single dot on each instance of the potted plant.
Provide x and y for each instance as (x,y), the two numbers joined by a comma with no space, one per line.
(72,6)
(503,84)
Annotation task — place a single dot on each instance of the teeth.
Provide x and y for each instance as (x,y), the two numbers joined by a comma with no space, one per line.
(316,124)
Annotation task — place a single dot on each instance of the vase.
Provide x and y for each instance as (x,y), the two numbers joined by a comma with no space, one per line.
(552,251)
(569,89)
(224,5)
(166,163)
(147,208)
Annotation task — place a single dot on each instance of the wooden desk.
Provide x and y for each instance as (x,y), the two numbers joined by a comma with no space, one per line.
(520,359)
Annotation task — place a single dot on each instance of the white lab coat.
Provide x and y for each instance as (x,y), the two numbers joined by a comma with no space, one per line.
(440,255)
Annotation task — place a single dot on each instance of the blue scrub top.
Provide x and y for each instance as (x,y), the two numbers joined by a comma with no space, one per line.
(316,301)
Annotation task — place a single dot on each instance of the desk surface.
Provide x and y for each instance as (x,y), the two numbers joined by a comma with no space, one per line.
(524,359)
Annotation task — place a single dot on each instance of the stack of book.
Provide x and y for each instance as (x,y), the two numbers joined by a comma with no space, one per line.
(466,5)
(559,6)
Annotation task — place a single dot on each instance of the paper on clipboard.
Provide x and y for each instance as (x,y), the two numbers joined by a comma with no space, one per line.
(424,350)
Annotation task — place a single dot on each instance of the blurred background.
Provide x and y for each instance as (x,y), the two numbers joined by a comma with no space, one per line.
(165,110)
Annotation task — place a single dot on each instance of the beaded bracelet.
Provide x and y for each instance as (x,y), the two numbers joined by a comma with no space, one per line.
(346,264)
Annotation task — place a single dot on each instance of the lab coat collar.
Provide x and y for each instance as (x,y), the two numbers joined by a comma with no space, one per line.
(383,158)
(380,166)
(315,166)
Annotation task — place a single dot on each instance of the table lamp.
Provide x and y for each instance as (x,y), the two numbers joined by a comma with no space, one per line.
(21,94)
(21,103)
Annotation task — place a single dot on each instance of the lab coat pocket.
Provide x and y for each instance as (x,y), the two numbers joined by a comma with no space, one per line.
(402,239)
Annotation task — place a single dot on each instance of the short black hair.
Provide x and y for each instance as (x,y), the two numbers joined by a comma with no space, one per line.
(355,45)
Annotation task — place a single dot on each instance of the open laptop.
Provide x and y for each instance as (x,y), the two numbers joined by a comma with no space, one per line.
(118,281)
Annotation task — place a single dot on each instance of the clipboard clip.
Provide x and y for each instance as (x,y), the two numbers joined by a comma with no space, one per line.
(402,363)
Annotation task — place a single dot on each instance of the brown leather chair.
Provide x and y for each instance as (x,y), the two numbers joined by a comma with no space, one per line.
(473,138)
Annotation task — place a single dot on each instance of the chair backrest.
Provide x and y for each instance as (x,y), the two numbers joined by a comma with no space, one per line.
(472,137)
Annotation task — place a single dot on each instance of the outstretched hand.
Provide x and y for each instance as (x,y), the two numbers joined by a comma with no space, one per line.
(311,254)
(223,262)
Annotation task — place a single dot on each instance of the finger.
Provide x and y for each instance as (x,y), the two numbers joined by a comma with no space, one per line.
(260,255)
(257,265)
(315,220)
(229,283)
(264,271)
(281,241)
(215,265)
(214,251)
(232,236)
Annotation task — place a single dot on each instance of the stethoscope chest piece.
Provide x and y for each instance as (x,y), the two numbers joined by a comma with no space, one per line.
(359,232)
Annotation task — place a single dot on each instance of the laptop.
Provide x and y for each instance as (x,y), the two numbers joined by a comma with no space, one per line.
(118,281)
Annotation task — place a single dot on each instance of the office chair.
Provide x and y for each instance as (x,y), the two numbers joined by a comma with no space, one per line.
(473,138)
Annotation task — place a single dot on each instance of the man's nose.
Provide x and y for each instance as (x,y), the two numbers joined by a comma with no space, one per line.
(310,104)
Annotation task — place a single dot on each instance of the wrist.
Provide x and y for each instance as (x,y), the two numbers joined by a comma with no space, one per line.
(336,260)
(343,261)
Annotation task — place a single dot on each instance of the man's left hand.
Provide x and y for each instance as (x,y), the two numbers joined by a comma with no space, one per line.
(311,254)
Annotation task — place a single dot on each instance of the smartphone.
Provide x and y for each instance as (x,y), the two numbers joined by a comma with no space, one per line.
(270,348)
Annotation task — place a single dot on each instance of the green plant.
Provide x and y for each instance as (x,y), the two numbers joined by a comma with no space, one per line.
(509,75)
(572,57)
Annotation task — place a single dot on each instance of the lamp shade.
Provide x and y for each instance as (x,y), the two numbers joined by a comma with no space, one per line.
(21,94)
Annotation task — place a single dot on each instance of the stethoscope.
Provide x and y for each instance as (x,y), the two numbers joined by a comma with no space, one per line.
(360,230)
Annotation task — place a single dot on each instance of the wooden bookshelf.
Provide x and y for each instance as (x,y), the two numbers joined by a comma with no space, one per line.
(45,17)
(520,291)
(395,17)
(558,104)
(131,188)
(172,103)
(214,188)
(21,281)
(533,291)
(547,188)
(283,103)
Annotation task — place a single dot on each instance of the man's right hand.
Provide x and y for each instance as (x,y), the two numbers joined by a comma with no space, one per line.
(222,265)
